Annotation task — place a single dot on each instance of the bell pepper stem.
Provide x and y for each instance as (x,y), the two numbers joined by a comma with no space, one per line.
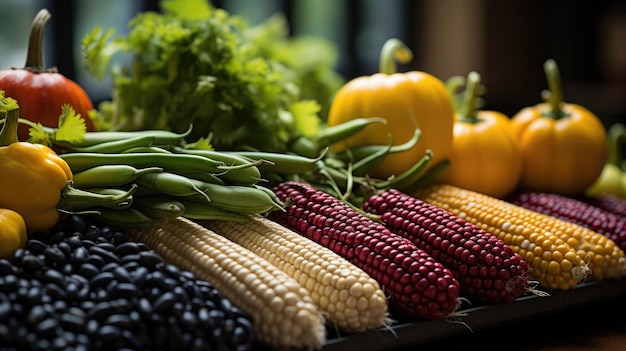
(393,50)
(10,112)
(554,96)
(74,199)
(34,56)
(468,109)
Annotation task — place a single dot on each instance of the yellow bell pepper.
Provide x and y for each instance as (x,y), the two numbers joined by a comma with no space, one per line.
(563,144)
(402,99)
(12,232)
(485,154)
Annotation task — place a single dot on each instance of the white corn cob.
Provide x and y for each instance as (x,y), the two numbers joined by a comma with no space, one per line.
(350,299)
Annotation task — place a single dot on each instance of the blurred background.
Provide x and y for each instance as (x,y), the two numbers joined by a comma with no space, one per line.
(507,42)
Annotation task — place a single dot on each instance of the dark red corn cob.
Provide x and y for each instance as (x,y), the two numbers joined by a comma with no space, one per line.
(488,270)
(415,284)
(575,211)
(607,202)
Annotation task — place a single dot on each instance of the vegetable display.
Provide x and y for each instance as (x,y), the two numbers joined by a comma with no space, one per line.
(41,91)
(403,99)
(556,139)
(486,156)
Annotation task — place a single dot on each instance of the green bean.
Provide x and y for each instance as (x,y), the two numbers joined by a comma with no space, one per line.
(116,146)
(122,219)
(75,199)
(205,211)
(171,184)
(159,207)
(110,175)
(79,161)
(160,137)
(327,136)
(238,198)
(360,152)
(146,149)
(278,162)
(201,176)
(238,170)
(115,192)
(408,177)
(432,175)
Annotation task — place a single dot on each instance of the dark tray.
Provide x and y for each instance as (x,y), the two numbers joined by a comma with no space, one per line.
(475,319)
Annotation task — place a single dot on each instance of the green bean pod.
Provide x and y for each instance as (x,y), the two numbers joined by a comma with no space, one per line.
(283,163)
(355,154)
(327,136)
(172,184)
(238,170)
(80,161)
(116,146)
(238,198)
(122,219)
(75,199)
(159,207)
(206,211)
(408,177)
(146,149)
(118,192)
(110,175)
(160,137)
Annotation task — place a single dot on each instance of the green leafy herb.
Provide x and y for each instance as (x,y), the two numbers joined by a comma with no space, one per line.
(196,64)
(71,129)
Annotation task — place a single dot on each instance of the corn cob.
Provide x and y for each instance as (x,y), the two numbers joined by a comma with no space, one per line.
(575,211)
(488,270)
(349,298)
(553,263)
(607,202)
(284,313)
(415,284)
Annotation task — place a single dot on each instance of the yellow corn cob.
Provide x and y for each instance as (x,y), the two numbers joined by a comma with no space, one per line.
(554,264)
(283,311)
(350,299)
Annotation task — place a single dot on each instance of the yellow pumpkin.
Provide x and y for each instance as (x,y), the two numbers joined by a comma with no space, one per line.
(404,100)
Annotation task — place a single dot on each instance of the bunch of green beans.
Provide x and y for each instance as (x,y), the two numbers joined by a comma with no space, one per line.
(175,178)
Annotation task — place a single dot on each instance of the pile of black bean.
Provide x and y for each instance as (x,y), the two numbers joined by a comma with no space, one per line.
(83,287)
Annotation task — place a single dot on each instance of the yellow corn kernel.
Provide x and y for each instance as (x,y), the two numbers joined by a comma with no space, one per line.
(284,313)
(355,302)
(516,227)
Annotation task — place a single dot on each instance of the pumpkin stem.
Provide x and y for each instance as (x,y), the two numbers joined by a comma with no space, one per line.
(34,56)
(10,112)
(553,96)
(393,50)
(468,111)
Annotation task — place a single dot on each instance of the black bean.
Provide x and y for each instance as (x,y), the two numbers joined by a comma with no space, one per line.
(77,223)
(95,260)
(107,256)
(101,279)
(55,291)
(101,310)
(53,276)
(73,322)
(36,246)
(149,259)
(123,290)
(75,242)
(122,321)
(109,333)
(79,255)
(88,270)
(6,267)
(32,263)
(128,248)
(164,302)
(122,275)
(65,248)
(5,310)
(47,327)
(37,314)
